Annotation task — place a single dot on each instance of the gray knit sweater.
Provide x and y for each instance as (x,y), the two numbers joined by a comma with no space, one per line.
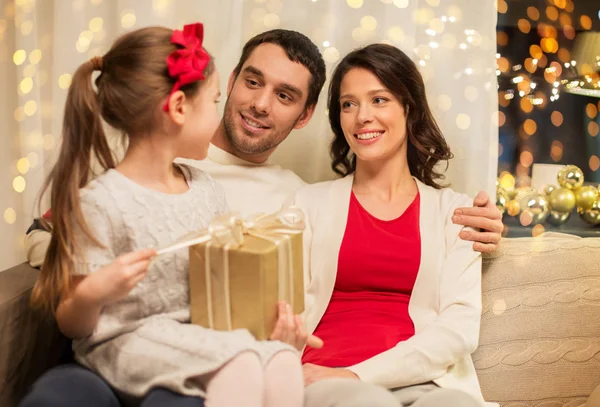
(146,340)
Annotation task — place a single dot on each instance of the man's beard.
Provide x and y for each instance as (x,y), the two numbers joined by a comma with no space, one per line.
(248,144)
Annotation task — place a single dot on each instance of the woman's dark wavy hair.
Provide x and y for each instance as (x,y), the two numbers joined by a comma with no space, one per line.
(399,74)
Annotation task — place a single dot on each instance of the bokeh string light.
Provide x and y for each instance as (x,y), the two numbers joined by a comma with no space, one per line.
(531,83)
(536,65)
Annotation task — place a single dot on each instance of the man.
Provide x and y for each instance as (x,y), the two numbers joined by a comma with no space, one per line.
(273,90)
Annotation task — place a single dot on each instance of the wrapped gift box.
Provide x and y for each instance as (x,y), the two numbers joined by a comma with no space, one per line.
(240,273)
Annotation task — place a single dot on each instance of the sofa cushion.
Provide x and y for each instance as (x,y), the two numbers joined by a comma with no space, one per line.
(540,327)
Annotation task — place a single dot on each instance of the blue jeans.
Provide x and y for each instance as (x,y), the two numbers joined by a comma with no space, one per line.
(75,386)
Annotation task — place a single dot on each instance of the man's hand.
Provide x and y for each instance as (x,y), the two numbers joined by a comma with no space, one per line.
(485,218)
(315,373)
(290,329)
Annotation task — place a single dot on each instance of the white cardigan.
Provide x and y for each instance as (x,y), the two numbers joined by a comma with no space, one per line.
(445,305)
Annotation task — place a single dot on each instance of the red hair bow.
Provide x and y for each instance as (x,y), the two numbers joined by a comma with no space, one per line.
(188,63)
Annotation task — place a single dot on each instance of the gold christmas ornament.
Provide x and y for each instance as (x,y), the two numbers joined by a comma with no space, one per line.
(586,196)
(499,187)
(507,182)
(521,192)
(524,190)
(592,215)
(562,200)
(534,208)
(570,177)
(548,190)
(501,200)
(513,208)
(558,218)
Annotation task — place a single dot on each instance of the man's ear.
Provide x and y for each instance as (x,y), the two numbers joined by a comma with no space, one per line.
(305,117)
(232,77)
(177,107)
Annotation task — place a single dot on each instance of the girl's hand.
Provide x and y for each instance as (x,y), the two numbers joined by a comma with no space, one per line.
(113,282)
(290,329)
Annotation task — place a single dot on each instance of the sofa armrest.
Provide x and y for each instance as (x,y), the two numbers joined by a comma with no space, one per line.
(29,342)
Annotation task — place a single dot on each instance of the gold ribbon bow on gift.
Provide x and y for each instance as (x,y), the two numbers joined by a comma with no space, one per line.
(227,232)
(229,229)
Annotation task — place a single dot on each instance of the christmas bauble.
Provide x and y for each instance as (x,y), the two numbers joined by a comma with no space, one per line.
(592,215)
(562,200)
(558,218)
(586,196)
(523,191)
(534,208)
(570,177)
(501,200)
(548,190)
(513,208)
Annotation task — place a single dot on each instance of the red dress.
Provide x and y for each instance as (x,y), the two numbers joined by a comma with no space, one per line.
(377,268)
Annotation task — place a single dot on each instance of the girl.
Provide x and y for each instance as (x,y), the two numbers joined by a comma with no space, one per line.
(129,316)
(393,291)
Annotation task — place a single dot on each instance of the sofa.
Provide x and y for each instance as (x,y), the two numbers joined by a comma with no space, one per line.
(539,340)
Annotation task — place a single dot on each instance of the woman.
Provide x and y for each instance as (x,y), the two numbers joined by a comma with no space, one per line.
(392,290)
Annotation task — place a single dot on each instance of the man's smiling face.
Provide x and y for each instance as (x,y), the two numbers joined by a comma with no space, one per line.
(266,101)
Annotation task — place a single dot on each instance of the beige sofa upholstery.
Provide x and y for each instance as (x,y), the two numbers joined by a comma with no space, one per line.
(539,341)
(540,329)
